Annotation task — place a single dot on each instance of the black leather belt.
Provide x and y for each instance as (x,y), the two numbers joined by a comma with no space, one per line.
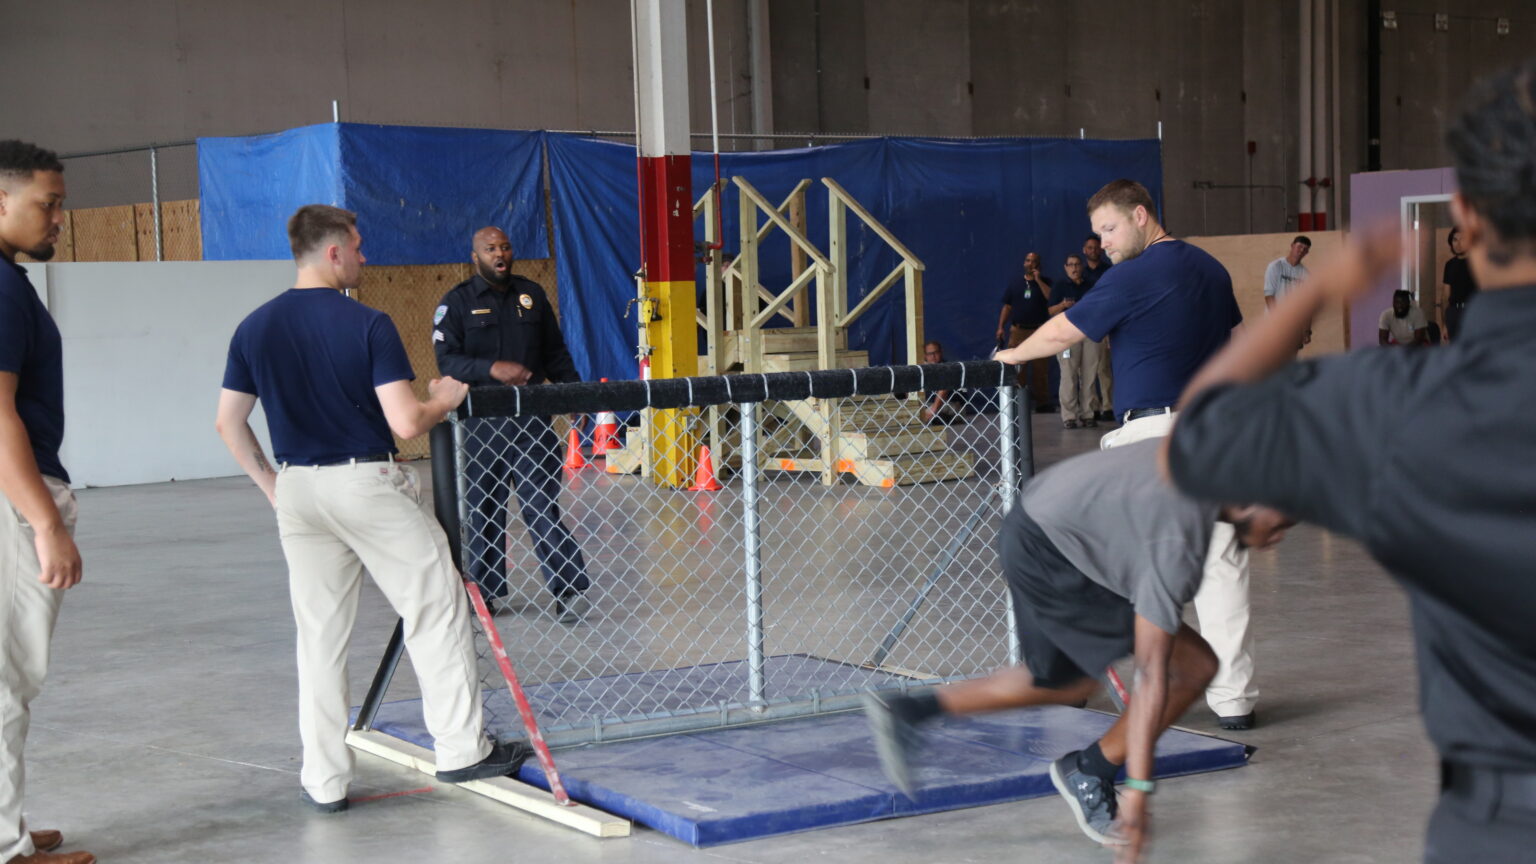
(1492,785)
(377,457)
(1138,413)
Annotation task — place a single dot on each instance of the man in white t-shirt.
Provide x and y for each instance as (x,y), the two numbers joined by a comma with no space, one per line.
(1286,273)
(1404,323)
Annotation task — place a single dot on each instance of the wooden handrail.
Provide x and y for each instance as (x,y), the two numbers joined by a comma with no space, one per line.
(778,303)
(872,222)
(778,219)
(872,296)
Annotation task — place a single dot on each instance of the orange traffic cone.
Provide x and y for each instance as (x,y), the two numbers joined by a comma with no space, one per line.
(605,433)
(704,477)
(573,460)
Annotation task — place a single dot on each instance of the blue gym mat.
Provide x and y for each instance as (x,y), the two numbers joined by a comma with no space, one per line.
(728,785)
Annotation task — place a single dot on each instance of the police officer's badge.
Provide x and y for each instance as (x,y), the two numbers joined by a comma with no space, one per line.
(437,317)
(526,300)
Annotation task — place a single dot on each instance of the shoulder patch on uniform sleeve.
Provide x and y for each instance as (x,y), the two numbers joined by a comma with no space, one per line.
(437,335)
(437,316)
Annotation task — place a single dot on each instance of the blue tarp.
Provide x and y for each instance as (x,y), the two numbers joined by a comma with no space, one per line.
(419,192)
(969,209)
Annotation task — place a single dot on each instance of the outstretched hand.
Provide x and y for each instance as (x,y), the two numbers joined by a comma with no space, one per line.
(1367,256)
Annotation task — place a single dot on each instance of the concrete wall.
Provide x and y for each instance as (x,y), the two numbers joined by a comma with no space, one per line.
(1217,73)
(144,350)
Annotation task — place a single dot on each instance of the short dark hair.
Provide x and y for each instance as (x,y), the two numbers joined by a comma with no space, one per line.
(1403,293)
(1068,260)
(19,160)
(1303,240)
(1126,195)
(1092,236)
(1493,144)
(1450,238)
(934,343)
(313,224)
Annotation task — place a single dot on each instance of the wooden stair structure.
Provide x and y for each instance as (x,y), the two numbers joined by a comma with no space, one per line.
(880,440)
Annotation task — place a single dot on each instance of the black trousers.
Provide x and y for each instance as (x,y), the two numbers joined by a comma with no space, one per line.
(517,455)
(1481,818)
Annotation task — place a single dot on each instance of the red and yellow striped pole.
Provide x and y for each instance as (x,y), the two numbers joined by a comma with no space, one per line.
(666,217)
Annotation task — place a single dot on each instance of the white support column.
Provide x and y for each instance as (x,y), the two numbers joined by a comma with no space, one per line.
(759,56)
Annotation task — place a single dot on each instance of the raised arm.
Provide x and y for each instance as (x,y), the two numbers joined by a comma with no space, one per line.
(1053,337)
(409,417)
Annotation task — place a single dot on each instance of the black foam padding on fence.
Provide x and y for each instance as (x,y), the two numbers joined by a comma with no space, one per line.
(589,397)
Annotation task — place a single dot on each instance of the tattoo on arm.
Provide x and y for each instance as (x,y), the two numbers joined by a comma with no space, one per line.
(261,461)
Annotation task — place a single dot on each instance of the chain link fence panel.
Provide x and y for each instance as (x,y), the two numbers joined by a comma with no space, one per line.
(849,546)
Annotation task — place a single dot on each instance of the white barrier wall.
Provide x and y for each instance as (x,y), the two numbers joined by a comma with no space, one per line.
(144,349)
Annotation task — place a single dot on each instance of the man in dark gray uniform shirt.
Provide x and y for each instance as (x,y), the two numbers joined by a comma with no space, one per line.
(1100,555)
(1338,442)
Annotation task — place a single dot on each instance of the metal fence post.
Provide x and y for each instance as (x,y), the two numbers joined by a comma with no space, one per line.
(752,552)
(1008,489)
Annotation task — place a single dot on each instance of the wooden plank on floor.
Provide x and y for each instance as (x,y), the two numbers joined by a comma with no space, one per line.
(504,789)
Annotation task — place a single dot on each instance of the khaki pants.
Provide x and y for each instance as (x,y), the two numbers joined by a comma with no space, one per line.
(334,522)
(1079,368)
(1106,378)
(1036,374)
(1221,604)
(28,610)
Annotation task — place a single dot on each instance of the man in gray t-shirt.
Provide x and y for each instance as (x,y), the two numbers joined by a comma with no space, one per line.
(1101,555)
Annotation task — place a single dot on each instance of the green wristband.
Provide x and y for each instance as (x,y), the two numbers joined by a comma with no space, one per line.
(1147,786)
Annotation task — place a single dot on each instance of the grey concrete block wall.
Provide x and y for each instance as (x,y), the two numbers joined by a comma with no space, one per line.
(1217,73)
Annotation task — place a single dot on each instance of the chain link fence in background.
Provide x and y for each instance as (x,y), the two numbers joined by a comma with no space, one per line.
(633,605)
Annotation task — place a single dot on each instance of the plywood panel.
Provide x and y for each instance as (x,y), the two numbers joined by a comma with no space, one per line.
(182,230)
(105,234)
(408,295)
(1246,255)
(144,231)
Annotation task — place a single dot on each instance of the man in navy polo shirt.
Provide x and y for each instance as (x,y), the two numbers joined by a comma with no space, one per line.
(1166,307)
(38,558)
(334,379)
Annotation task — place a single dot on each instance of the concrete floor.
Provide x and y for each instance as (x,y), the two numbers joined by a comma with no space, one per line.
(167,730)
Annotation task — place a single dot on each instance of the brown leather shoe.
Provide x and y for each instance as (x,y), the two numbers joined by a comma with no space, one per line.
(47,839)
(54,858)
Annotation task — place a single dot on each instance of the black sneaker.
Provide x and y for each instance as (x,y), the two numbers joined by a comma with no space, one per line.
(1092,800)
(504,760)
(336,806)
(1069,424)
(1239,722)
(572,608)
(895,739)
(1106,416)
(1090,423)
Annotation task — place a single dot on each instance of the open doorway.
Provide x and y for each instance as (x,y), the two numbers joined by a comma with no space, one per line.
(1426,224)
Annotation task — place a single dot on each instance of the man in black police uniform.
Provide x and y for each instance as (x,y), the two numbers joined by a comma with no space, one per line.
(496,328)
(1336,442)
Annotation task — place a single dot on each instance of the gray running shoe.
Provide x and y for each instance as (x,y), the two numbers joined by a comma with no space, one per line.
(1092,800)
(895,740)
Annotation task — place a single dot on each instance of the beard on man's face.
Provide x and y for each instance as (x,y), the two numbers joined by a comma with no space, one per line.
(489,273)
(42,253)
